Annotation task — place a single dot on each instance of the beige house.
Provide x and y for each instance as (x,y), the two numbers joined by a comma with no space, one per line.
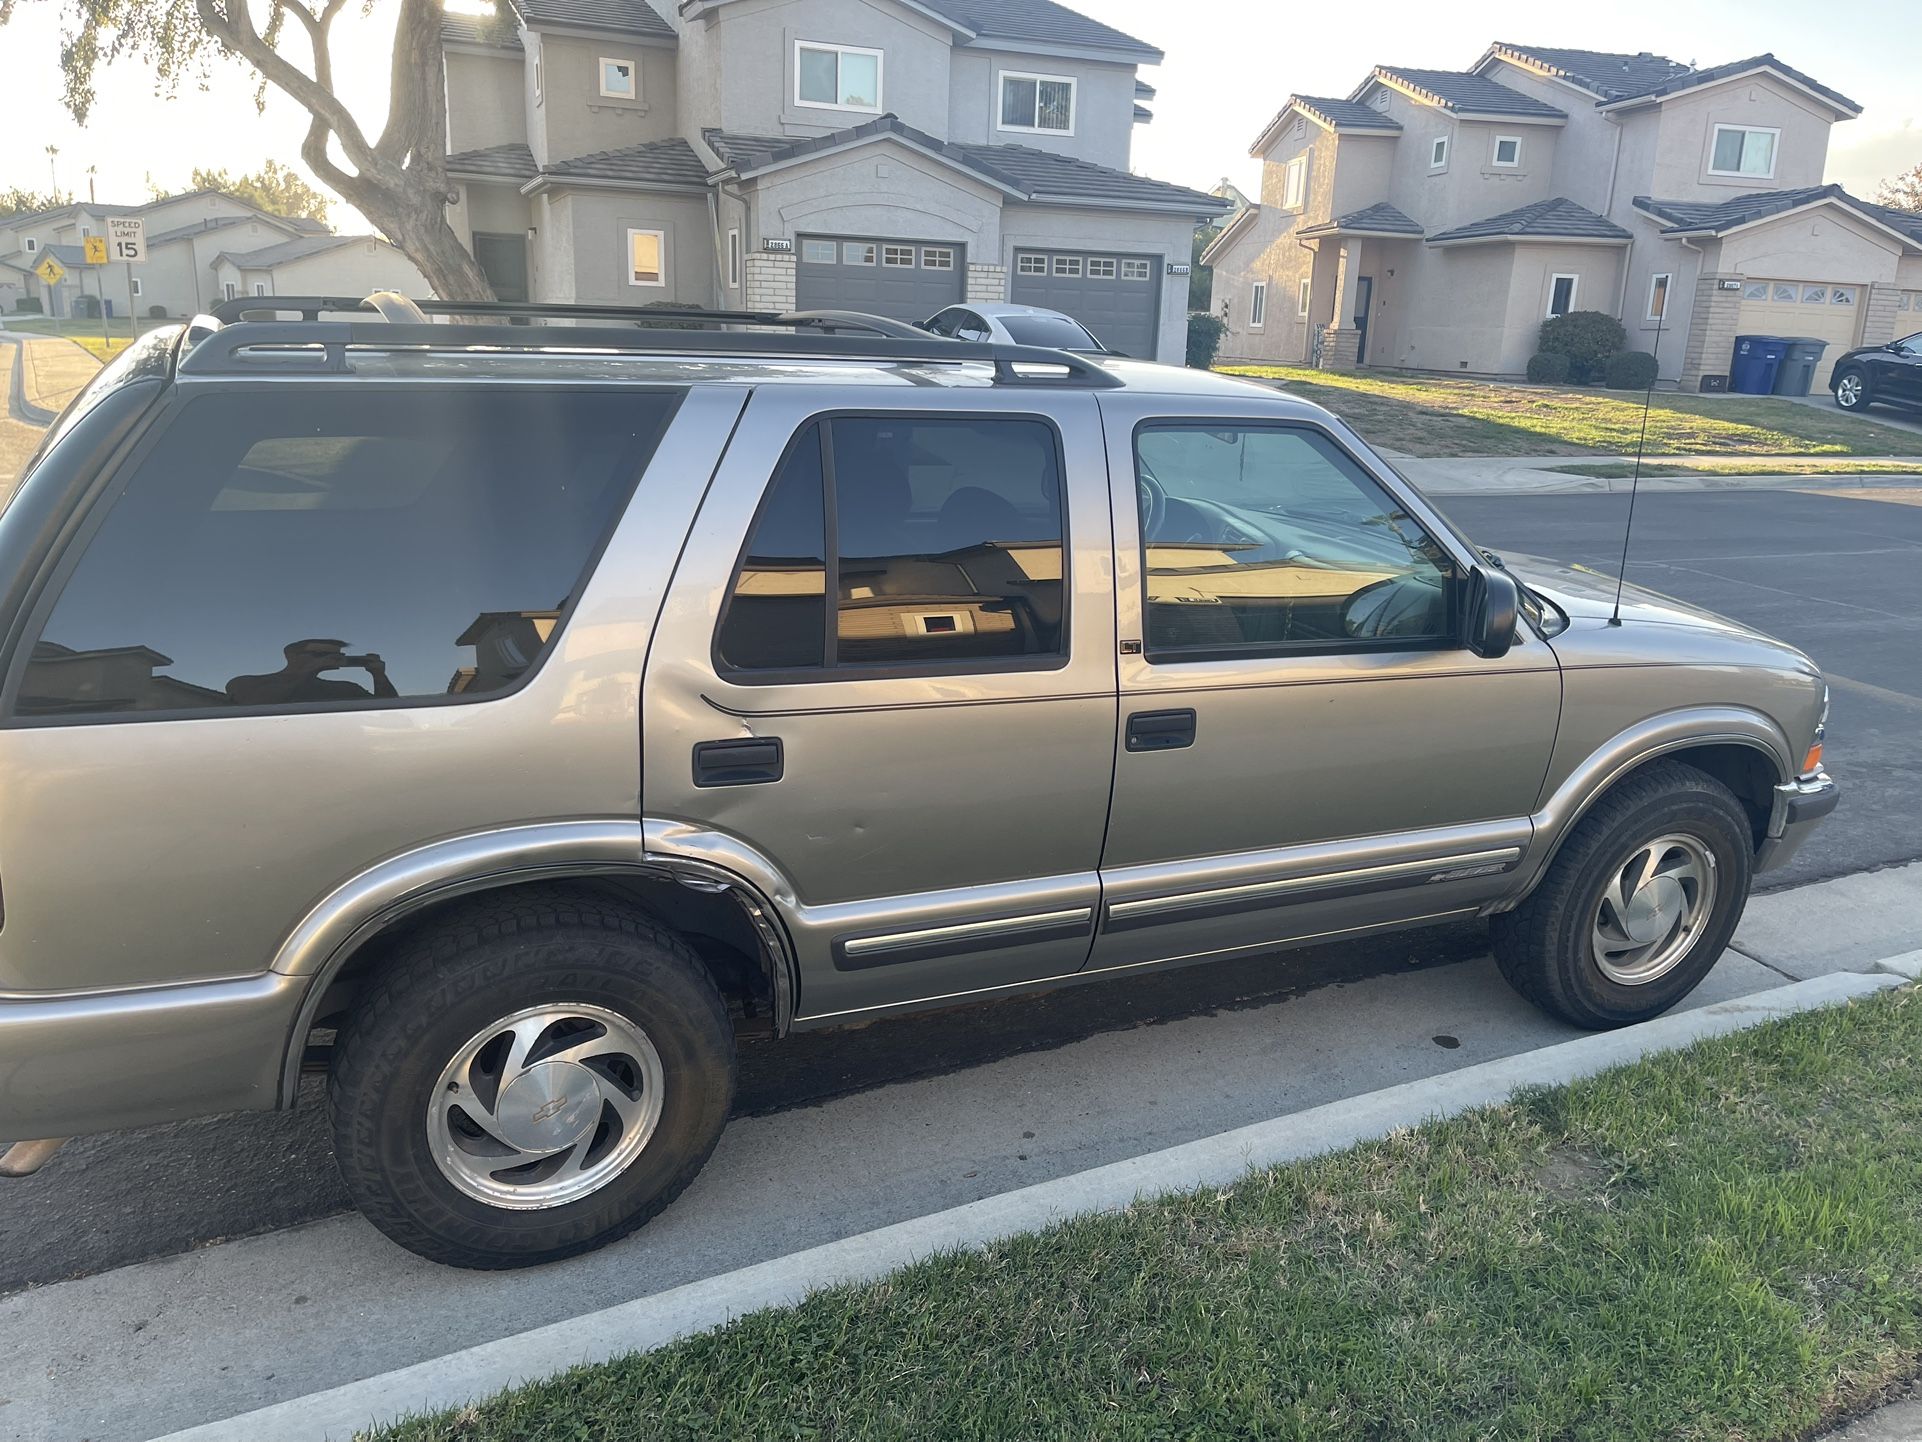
(1431,219)
(202,247)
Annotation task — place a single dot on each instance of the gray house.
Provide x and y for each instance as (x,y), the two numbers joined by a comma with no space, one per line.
(885,155)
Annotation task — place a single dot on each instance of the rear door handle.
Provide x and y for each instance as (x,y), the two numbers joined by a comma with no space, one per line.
(1160,730)
(744,761)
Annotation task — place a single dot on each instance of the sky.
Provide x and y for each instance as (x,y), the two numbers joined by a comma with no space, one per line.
(1230,65)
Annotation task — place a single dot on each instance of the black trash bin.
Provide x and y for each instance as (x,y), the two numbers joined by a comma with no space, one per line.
(1752,368)
(1796,374)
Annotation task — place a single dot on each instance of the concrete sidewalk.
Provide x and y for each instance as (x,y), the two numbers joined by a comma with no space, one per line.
(49,371)
(1533,475)
(184,1340)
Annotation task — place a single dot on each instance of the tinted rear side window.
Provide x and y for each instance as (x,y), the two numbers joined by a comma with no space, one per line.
(308,547)
(1050,330)
(946,548)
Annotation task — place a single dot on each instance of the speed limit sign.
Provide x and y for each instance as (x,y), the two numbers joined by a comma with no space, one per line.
(127,238)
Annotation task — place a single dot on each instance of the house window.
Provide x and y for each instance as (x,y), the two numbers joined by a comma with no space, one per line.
(1100,268)
(1561,294)
(1508,151)
(1438,152)
(540,86)
(1786,292)
(1031,264)
(260,287)
(646,257)
(1067,265)
(734,259)
(1258,305)
(229,288)
(1842,295)
(837,77)
(138,288)
(1815,295)
(1657,296)
(33,245)
(1136,270)
(1301,298)
(819,252)
(1744,150)
(618,80)
(1756,290)
(897,255)
(1037,102)
(857,252)
(937,257)
(1294,187)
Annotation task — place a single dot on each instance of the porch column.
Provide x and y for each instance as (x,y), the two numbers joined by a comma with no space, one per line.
(1878,318)
(1339,340)
(770,281)
(1712,325)
(987,282)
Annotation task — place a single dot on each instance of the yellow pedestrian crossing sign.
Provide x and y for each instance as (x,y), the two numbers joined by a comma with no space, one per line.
(96,248)
(51,271)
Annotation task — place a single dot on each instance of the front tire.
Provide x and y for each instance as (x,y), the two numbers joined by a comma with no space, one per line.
(1638,904)
(534,1077)
(1852,391)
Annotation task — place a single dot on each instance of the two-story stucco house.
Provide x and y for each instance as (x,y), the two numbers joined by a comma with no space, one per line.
(1431,219)
(892,156)
(203,246)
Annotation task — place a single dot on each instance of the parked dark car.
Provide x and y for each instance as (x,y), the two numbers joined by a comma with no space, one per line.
(1891,373)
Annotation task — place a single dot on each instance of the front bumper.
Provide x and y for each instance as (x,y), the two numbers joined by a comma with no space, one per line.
(1799,805)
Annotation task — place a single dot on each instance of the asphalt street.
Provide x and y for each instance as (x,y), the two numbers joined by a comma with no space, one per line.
(1835,574)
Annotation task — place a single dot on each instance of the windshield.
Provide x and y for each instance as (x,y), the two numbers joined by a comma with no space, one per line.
(1050,330)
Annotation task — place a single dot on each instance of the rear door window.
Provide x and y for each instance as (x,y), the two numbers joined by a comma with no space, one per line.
(311,547)
(944,537)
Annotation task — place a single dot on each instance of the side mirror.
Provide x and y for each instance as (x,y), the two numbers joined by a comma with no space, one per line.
(1492,612)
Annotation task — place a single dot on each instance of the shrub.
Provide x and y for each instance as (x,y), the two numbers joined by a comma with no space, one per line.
(156,312)
(27,305)
(1586,337)
(1205,331)
(1629,370)
(1548,368)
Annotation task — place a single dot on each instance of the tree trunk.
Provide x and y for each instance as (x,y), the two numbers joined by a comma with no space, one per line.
(421,231)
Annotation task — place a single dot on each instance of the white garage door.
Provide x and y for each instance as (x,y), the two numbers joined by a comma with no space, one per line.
(1829,312)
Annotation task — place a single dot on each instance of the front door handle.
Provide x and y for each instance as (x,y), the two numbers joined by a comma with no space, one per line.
(743,761)
(1160,730)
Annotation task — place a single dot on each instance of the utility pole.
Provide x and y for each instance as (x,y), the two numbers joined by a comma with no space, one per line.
(92,199)
(53,167)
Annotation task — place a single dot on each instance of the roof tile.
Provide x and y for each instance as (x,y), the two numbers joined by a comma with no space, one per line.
(513,161)
(1607,73)
(1555,218)
(1461,90)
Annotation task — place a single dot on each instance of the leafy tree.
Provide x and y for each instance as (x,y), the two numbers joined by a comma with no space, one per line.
(397,179)
(1904,192)
(20,201)
(1201,278)
(273,187)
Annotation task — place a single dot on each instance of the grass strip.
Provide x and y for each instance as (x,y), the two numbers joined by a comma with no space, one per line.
(1724,1242)
(1621,470)
(1443,416)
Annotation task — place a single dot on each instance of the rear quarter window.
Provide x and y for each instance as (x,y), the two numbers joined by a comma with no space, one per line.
(307,547)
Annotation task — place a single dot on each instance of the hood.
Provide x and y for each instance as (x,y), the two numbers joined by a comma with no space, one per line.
(1590,596)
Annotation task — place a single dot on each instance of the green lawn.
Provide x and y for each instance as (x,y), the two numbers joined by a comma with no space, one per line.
(1441,416)
(1720,1243)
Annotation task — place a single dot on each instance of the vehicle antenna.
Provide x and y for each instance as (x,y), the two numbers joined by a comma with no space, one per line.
(1635,480)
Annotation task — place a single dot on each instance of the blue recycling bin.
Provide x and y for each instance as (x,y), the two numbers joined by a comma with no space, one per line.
(1751,370)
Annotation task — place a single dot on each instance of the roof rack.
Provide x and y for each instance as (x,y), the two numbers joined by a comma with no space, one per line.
(241,346)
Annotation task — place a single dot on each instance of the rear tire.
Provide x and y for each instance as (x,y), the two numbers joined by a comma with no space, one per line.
(1852,392)
(533,1077)
(1638,904)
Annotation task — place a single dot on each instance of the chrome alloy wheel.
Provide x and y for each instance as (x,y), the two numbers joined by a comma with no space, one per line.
(545,1106)
(1848,391)
(1656,904)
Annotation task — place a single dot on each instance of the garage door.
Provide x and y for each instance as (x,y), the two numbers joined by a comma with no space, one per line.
(1118,297)
(905,279)
(1798,307)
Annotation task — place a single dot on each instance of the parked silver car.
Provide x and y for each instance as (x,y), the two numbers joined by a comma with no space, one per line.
(1013,325)
(507,718)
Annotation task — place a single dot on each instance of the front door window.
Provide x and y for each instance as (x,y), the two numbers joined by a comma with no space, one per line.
(1268,540)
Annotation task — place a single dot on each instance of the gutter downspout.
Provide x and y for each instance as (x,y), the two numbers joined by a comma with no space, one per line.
(714,223)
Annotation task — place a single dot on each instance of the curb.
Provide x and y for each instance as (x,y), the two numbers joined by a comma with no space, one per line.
(656,1320)
(24,410)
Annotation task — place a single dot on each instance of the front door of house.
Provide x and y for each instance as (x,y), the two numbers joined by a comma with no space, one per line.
(1364,302)
(503,259)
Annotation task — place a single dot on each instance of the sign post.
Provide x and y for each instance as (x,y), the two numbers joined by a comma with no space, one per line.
(94,249)
(127,242)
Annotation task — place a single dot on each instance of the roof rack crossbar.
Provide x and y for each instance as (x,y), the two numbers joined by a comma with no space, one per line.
(264,347)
